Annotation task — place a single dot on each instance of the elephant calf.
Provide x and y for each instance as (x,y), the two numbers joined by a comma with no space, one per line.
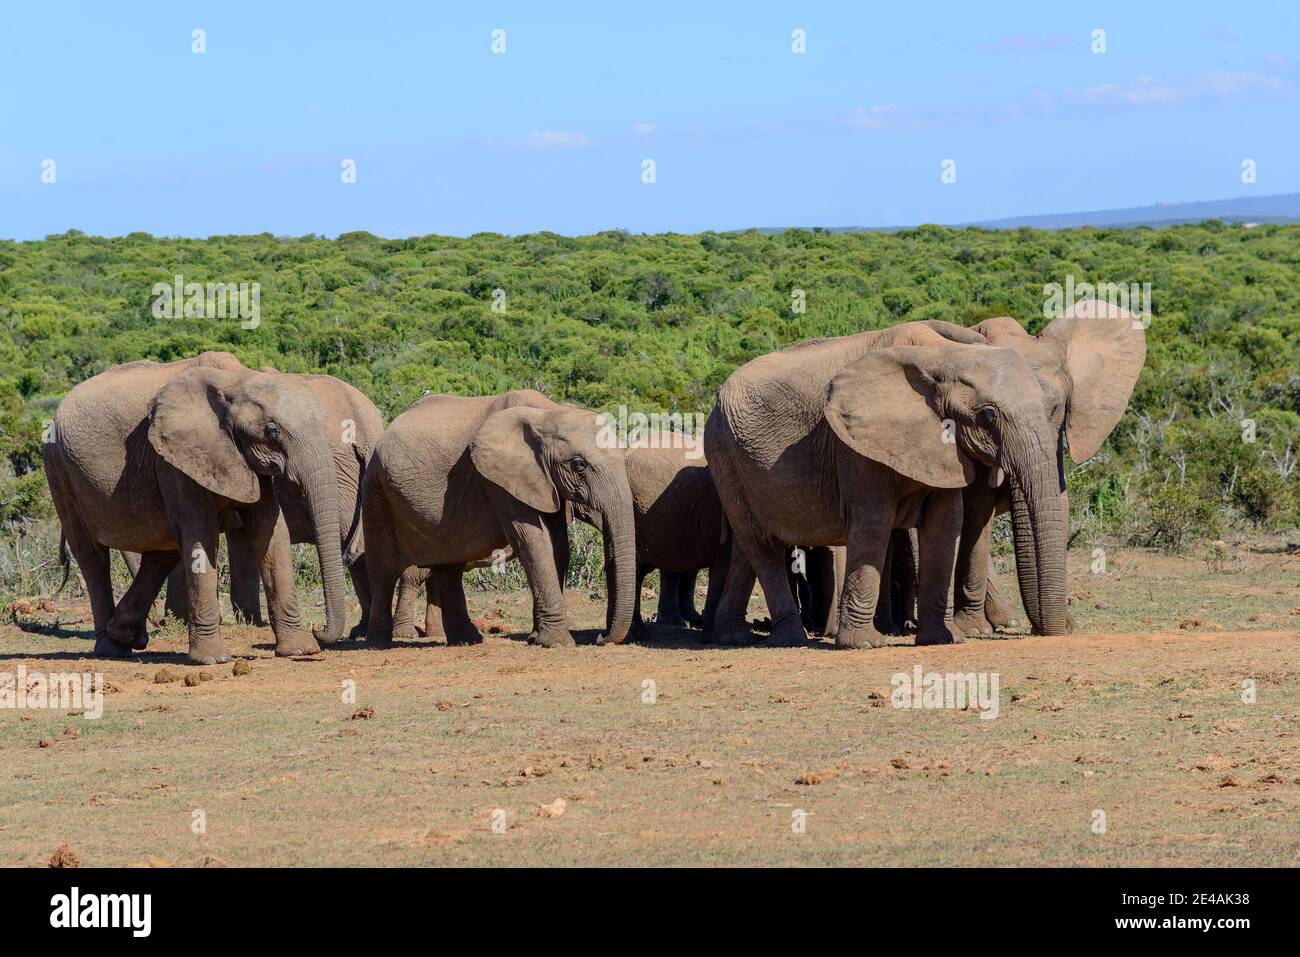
(679,526)
(454,479)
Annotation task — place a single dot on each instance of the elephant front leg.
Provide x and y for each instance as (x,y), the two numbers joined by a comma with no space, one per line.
(177,602)
(361,583)
(669,611)
(864,568)
(686,599)
(245,578)
(270,541)
(531,540)
(979,502)
(938,531)
(409,588)
(198,556)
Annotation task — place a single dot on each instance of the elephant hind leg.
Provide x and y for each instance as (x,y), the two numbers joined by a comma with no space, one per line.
(129,622)
(449,582)
(93,562)
(730,624)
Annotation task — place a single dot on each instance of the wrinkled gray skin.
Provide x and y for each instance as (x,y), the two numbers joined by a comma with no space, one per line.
(159,459)
(1086,364)
(352,426)
(679,528)
(841,441)
(453,479)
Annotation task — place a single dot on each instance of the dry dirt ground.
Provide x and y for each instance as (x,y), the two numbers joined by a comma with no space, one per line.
(506,754)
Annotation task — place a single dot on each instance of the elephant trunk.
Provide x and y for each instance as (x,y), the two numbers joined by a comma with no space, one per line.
(319,485)
(1038,522)
(617,527)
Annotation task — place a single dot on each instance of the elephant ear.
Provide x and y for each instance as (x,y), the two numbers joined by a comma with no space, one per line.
(189,426)
(1104,351)
(883,406)
(507,451)
(1001,327)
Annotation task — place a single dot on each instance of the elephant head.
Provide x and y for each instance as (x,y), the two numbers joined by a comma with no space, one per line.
(1087,362)
(225,428)
(930,413)
(548,457)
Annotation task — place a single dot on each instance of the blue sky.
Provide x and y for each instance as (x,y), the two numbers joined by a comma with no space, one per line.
(449,137)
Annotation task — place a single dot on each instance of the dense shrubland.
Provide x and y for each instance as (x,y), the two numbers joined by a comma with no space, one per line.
(658,322)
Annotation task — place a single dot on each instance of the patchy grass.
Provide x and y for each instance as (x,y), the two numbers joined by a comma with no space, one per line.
(1138,717)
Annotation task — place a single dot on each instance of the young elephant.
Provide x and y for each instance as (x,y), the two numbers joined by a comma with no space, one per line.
(455,479)
(159,459)
(679,527)
(840,441)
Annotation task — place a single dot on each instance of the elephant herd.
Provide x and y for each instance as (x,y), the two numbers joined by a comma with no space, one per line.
(833,446)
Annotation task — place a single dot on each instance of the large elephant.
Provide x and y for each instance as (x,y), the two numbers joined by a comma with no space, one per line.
(159,459)
(679,526)
(1086,363)
(840,441)
(352,426)
(455,479)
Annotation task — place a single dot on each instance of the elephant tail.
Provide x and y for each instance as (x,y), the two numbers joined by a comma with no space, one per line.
(65,561)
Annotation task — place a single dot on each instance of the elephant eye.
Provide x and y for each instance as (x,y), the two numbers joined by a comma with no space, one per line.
(272,431)
(578,464)
(987,415)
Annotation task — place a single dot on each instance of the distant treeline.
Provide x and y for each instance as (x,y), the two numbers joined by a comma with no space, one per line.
(658,322)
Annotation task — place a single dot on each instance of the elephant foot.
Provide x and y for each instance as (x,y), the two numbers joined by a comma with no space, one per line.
(135,639)
(293,644)
(358,631)
(405,631)
(694,621)
(468,635)
(999,615)
(885,626)
(787,633)
(106,647)
(208,651)
(553,638)
(858,636)
(672,621)
(942,633)
(972,622)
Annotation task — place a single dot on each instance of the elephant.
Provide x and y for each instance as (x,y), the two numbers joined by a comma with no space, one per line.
(454,479)
(840,441)
(1086,363)
(679,527)
(352,426)
(159,459)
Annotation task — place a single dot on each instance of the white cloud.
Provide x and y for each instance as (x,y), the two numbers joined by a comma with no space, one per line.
(872,118)
(550,140)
